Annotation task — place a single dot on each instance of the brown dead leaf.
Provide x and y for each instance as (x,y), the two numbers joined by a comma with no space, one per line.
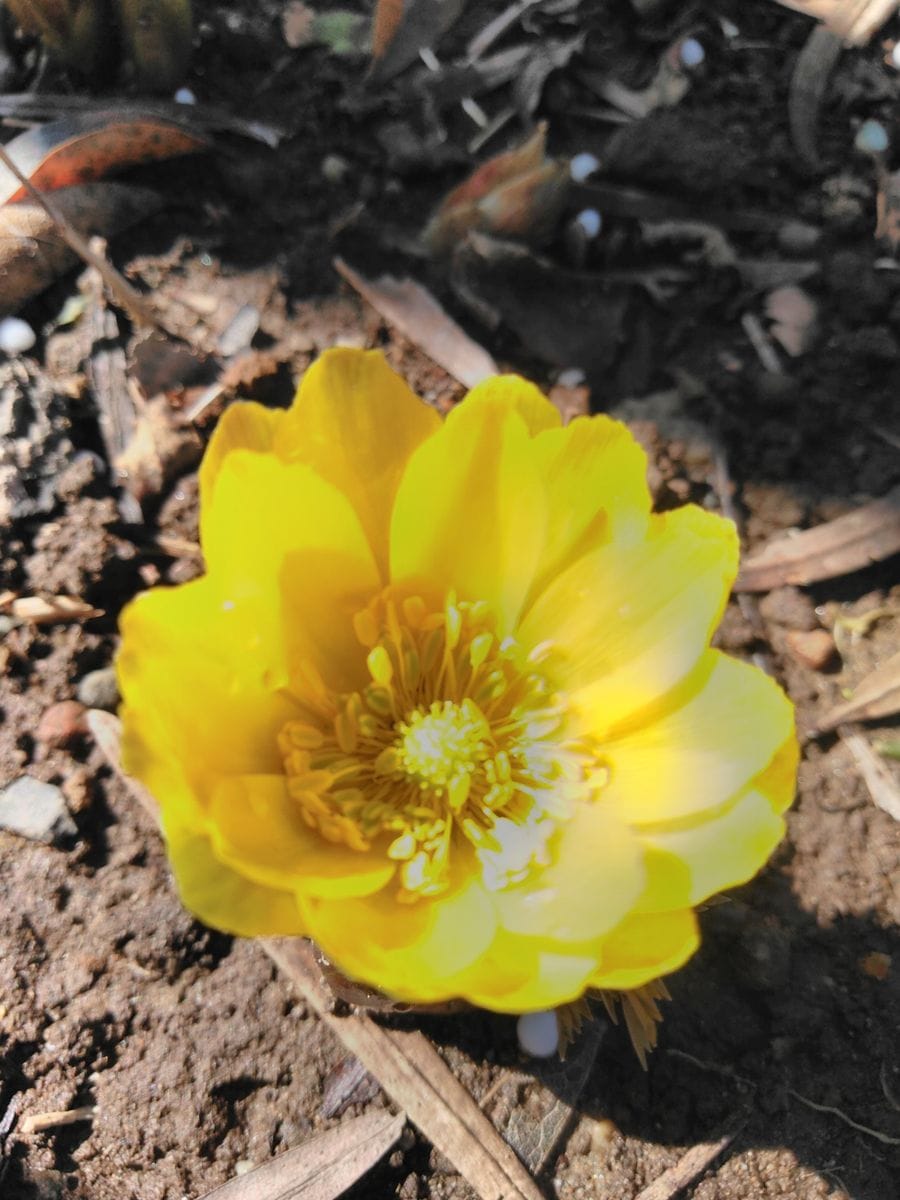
(159,450)
(849,543)
(421,26)
(33,253)
(878,695)
(323,1167)
(877,776)
(47,610)
(385,22)
(518,194)
(415,312)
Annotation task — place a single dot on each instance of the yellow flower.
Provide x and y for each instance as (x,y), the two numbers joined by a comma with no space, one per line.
(444,700)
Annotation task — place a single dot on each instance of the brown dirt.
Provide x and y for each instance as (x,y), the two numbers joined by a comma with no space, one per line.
(193,1051)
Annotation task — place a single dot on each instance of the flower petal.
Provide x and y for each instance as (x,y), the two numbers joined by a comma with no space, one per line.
(242,426)
(519,974)
(511,392)
(280,538)
(194,681)
(470,510)
(356,423)
(415,952)
(257,831)
(595,476)
(628,622)
(593,880)
(222,898)
(646,946)
(702,751)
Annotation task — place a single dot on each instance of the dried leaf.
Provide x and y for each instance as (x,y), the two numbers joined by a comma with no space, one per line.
(321,1168)
(419,317)
(878,695)
(878,777)
(519,194)
(808,83)
(47,610)
(549,55)
(33,254)
(385,22)
(422,25)
(84,147)
(849,543)
(887,208)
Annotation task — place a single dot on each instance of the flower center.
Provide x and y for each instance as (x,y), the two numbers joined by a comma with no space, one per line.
(457,740)
(441,748)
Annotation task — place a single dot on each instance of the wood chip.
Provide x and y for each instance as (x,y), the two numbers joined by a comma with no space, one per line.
(38,1122)
(877,775)
(415,1076)
(849,543)
(415,312)
(688,1168)
(877,695)
(322,1168)
(47,610)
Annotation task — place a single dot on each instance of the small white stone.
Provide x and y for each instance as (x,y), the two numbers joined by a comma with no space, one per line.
(590,221)
(538,1033)
(569,377)
(185,96)
(872,137)
(583,165)
(16,336)
(691,53)
(895,56)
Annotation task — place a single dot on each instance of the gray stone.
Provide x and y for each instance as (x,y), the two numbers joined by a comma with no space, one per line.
(36,811)
(99,689)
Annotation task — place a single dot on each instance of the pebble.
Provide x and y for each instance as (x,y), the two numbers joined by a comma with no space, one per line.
(184,95)
(813,648)
(61,724)
(78,791)
(538,1033)
(99,689)
(16,336)
(691,53)
(36,811)
(871,138)
(590,222)
(582,166)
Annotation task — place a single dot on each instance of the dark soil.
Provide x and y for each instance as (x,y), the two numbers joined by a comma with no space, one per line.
(194,1054)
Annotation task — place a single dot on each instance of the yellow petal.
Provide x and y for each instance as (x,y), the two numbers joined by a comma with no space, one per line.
(195,685)
(470,510)
(593,880)
(510,392)
(281,539)
(687,865)
(222,898)
(243,426)
(595,476)
(646,946)
(356,423)
(518,974)
(257,830)
(628,622)
(704,751)
(412,952)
